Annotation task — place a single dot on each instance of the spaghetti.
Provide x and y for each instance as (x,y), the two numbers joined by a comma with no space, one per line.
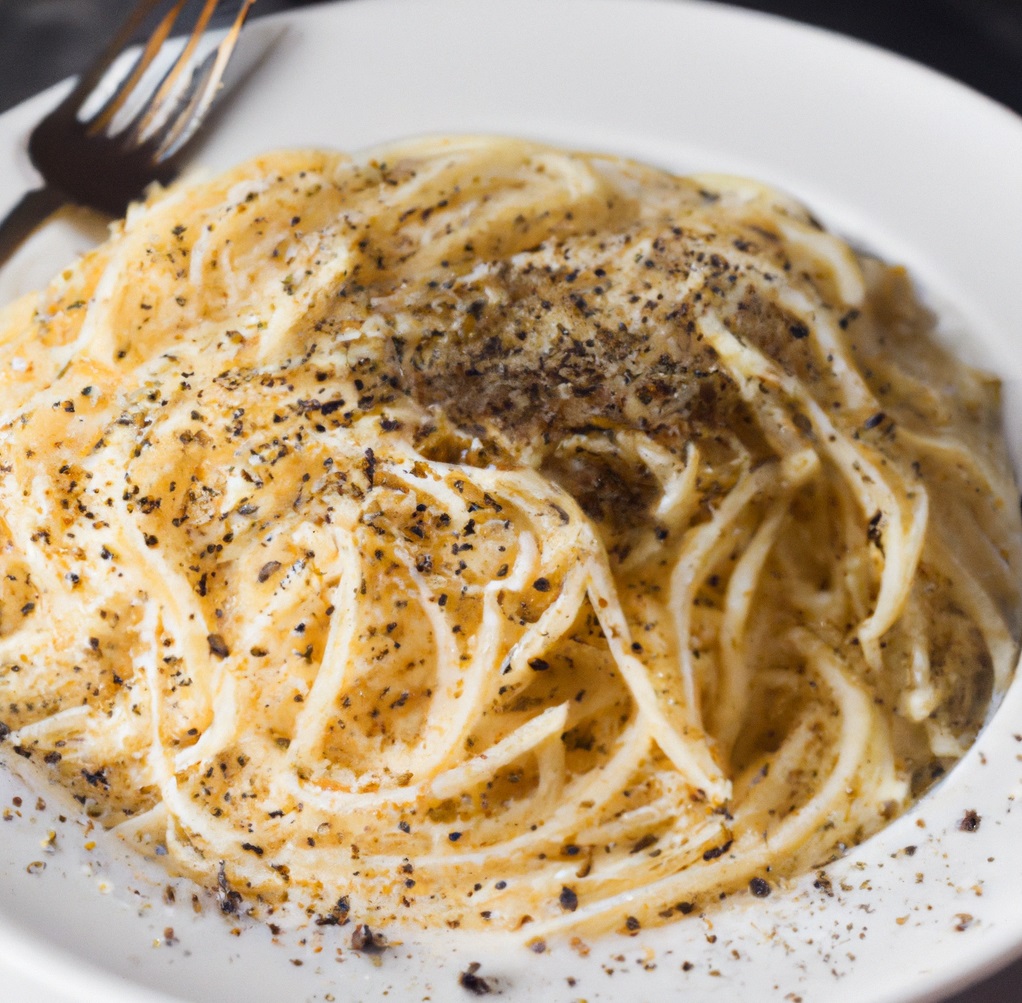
(473,533)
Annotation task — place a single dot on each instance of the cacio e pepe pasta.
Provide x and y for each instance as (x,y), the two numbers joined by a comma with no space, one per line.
(474,533)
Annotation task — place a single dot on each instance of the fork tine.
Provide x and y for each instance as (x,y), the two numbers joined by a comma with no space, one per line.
(150,50)
(170,79)
(98,69)
(200,93)
(168,115)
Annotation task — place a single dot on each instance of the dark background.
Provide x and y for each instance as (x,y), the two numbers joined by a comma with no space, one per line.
(977,41)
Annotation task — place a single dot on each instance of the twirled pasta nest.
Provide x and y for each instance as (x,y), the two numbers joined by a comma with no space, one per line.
(480,534)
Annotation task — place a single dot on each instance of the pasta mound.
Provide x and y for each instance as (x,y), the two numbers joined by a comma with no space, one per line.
(474,533)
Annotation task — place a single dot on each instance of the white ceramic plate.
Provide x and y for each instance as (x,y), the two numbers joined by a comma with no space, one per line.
(892,155)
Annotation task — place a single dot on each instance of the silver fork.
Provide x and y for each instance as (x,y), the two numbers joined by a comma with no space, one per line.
(131,116)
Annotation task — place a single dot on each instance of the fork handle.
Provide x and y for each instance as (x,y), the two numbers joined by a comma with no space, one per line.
(31,212)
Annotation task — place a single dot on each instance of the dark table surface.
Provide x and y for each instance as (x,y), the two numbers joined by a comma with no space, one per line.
(976,41)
